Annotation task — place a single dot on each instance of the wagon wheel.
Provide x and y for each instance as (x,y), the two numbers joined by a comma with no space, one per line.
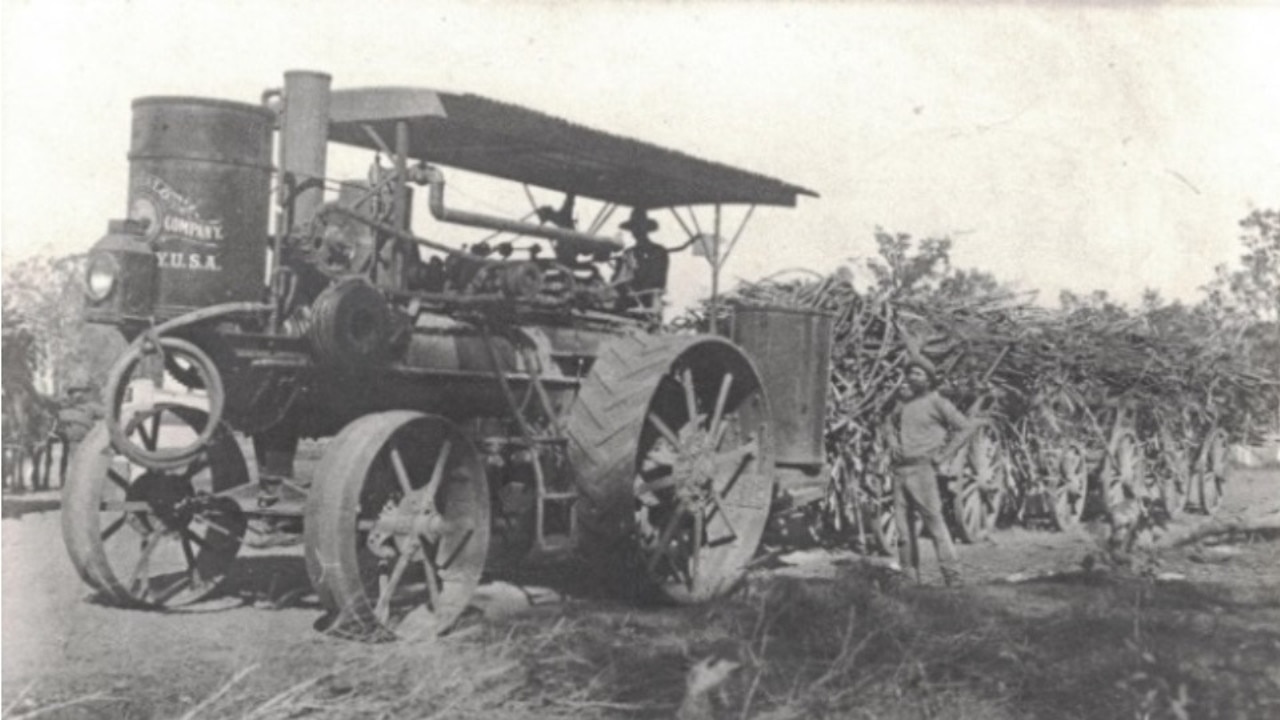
(1121,469)
(670,442)
(146,537)
(397,525)
(1212,471)
(1174,481)
(976,504)
(1067,504)
(880,511)
(841,505)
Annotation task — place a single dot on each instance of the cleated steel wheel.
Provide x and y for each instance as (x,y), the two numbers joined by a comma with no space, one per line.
(671,446)
(1066,505)
(147,537)
(397,526)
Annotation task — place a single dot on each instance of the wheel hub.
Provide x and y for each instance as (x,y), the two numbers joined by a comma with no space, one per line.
(695,467)
(406,524)
(170,497)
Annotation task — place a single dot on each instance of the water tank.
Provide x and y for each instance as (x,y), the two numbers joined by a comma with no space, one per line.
(200,176)
(791,348)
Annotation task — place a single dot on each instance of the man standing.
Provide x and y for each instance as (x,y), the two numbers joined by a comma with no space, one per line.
(925,430)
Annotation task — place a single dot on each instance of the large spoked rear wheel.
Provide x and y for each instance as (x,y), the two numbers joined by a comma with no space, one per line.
(146,537)
(671,443)
(397,526)
(1066,506)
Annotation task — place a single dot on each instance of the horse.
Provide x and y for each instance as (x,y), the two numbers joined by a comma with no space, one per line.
(30,434)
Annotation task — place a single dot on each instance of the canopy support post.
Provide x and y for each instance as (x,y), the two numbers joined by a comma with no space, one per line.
(715,274)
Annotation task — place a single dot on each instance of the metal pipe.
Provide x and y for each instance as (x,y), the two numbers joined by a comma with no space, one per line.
(715,273)
(304,136)
(584,242)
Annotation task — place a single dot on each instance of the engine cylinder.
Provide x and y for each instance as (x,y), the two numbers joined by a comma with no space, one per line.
(200,176)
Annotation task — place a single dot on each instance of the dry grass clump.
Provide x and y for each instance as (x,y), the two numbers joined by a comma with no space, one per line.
(862,646)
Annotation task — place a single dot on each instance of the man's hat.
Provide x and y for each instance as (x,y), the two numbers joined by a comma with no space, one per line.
(640,222)
(914,360)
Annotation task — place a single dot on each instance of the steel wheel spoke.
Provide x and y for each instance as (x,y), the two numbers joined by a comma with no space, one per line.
(437,473)
(690,398)
(695,549)
(113,527)
(402,475)
(114,477)
(190,537)
(196,467)
(664,539)
(217,527)
(138,586)
(387,587)
(433,582)
(176,587)
(721,398)
(187,552)
(453,556)
(724,516)
(664,430)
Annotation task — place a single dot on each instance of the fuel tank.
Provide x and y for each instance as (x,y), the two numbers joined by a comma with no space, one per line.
(792,349)
(199,176)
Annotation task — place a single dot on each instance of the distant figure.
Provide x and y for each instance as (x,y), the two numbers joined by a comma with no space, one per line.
(924,430)
(646,262)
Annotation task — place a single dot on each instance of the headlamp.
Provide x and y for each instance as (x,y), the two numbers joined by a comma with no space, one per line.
(100,276)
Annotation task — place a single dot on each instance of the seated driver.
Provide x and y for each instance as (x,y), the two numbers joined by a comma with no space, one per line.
(646,262)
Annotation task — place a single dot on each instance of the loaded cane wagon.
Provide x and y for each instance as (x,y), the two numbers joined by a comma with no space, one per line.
(480,404)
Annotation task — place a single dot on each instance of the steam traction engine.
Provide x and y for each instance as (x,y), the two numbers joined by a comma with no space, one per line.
(482,404)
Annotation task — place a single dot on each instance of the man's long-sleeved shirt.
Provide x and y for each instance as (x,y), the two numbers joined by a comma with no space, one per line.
(921,426)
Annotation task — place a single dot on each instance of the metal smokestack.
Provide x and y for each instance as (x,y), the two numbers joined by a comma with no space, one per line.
(304,132)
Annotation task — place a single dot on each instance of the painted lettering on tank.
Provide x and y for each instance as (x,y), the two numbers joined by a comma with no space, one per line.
(172,213)
(204,262)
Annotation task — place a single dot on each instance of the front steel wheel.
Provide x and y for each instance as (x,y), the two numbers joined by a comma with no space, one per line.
(148,537)
(397,525)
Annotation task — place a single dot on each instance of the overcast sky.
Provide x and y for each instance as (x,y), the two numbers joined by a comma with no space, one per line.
(1062,146)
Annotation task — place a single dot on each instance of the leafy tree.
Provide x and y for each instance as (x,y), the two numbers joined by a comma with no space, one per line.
(900,273)
(1252,289)
(44,298)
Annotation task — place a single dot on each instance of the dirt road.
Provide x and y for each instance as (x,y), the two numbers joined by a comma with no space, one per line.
(59,646)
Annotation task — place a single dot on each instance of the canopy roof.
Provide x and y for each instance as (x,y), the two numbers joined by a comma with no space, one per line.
(506,141)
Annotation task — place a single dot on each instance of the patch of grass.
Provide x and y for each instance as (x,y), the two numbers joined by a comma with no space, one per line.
(862,646)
